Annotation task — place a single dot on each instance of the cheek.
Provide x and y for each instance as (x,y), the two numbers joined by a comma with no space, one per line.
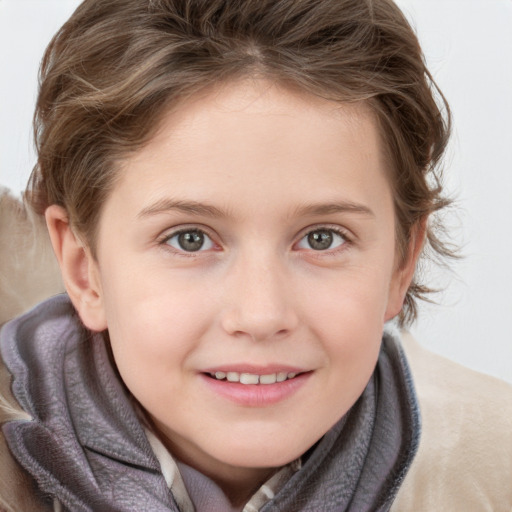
(347,316)
(154,322)
(353,298)
(146,298)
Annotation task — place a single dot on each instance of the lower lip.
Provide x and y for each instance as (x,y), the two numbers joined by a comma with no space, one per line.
(256,395)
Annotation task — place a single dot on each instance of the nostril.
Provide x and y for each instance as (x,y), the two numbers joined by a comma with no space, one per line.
(259,321)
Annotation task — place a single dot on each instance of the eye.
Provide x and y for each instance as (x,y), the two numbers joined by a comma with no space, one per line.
(190,240)
(321,240)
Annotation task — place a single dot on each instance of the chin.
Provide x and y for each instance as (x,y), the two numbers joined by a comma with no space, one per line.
(261,460)
(271,452)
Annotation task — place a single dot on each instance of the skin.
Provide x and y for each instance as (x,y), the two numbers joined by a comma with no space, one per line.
(257,168)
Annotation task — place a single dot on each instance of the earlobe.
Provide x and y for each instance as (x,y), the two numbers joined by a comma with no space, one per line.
(79,269)
(404,273)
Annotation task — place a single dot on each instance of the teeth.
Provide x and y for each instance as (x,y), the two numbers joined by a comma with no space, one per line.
(268,379)
(233,377)
(248,378)
(251,378)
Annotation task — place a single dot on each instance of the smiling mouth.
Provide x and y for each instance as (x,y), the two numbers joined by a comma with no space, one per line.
(252,378)
(256,387)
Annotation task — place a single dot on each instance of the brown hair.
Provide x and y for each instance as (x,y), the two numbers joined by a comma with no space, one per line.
(117,66)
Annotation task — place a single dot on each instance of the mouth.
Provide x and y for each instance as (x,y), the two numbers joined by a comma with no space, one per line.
(253,378)
(251,386)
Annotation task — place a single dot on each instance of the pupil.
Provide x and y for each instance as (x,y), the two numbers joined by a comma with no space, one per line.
(320,240)
(191,241)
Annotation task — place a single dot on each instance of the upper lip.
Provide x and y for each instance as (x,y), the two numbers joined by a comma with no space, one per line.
(255,369)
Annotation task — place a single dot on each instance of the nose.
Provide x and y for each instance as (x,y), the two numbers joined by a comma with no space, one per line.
(260,302)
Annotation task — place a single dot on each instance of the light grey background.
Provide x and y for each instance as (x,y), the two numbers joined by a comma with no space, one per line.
(468,45)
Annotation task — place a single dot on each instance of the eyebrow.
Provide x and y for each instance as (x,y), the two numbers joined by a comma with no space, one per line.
(192,207)
(335,207)
(203,209)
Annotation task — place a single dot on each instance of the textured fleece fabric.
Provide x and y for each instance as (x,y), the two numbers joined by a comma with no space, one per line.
(85,446)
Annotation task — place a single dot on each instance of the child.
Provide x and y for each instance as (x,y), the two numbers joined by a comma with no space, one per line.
(238,193)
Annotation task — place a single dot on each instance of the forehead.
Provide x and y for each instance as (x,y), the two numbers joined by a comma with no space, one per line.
(249,104)
(258,139)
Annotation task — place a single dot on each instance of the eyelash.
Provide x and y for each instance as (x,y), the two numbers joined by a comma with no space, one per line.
(164,240)
(342,233)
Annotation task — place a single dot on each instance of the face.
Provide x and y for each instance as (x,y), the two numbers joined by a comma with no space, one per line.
(245,267)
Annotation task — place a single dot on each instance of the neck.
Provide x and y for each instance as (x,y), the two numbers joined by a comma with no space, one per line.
(238,483)
(240,489)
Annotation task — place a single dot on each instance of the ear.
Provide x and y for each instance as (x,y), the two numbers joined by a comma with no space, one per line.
(79,269)
(404,273)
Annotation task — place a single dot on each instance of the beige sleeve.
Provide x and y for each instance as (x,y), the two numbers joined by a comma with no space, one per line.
(29,271)
(464,462)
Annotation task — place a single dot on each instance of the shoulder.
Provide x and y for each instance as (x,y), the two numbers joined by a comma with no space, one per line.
(17,491)
(464,461)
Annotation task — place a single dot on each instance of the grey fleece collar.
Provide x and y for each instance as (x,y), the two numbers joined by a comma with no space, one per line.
(85,445)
